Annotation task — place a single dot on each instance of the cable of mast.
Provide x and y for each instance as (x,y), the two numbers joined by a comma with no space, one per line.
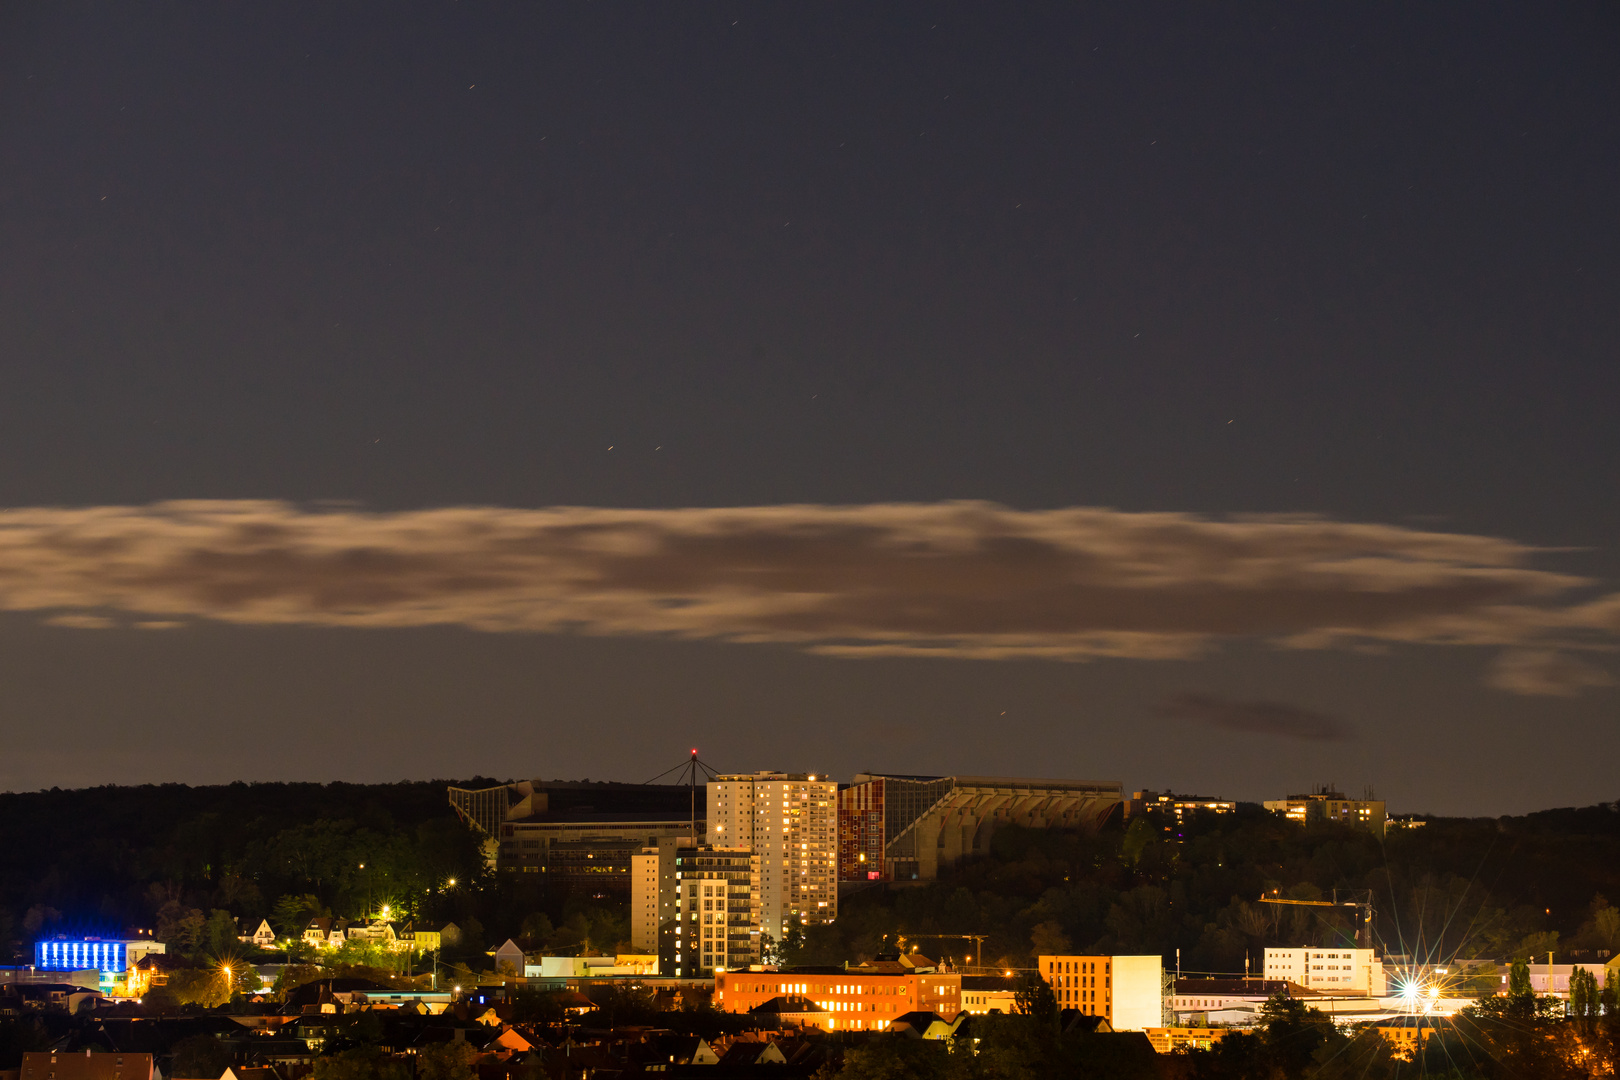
(692,764)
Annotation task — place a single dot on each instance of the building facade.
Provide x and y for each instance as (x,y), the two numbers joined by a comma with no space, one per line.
(1176,808)
(1553,979)
(865,998)
(65,1065)
(580,835)
(113,960)
(81,954)
(985,994)
(1173,1040)
(1218,995)
(1127,991)
(904,828)
(653,902)
(694,908)
(789,821)
(717,929)
(1407,1035)
(1326,804)
(1329,967)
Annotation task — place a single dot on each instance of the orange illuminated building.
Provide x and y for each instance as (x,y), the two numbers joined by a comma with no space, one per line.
(867,997)
(61,1065)
(1085,983)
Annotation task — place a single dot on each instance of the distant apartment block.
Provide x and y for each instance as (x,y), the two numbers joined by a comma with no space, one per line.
(905,828)
(1318,967)
(1127,991)
(580,835)
(1176,807)
(1325,804)
(694,908)
(789,821)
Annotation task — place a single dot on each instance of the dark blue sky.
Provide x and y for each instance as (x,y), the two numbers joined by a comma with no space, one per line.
(1352,260)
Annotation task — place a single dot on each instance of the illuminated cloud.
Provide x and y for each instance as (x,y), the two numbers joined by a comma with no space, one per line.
(1256,717)
(951,579)
(81,622)
(1545,672)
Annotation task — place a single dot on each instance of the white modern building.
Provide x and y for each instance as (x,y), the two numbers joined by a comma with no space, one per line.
(790,823)
(1329,967)
(1138,993)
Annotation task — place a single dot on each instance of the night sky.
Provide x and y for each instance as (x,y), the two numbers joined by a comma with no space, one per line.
(1207,399)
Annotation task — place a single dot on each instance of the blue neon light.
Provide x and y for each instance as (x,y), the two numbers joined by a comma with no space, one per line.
(83,955)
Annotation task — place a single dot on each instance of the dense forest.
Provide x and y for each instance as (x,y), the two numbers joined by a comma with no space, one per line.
(176,859)
(186,862)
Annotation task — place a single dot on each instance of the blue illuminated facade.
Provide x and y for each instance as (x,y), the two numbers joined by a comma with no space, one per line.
(83,954)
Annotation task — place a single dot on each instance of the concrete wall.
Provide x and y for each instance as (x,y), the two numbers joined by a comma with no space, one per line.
(1138,993)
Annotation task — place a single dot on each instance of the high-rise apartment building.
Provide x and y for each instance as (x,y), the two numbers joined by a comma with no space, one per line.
(693,907)
(653,903)
(790,823)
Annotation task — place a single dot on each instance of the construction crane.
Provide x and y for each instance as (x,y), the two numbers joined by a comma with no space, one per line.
(1365,907)
(977,939)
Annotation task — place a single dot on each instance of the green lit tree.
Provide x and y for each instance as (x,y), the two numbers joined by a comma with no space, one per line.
(292,913)
(1519,981)
(1584,1002)
(792,944)
(362,1063)
(1034,998)
(218,937)
(446,1061)
(199,1057)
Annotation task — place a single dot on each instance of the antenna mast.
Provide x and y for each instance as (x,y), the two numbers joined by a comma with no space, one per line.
(690,772)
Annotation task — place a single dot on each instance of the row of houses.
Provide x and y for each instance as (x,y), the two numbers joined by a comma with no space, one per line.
(328,933)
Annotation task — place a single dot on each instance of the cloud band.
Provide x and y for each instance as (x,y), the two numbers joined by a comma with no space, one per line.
(957,579)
